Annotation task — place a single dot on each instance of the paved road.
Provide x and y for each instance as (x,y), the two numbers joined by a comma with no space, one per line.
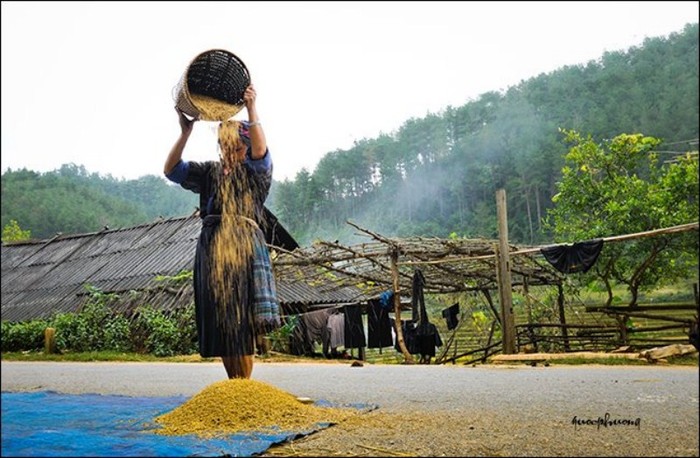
(662,393)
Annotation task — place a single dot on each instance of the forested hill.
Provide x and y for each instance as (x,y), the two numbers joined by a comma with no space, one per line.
(435,175)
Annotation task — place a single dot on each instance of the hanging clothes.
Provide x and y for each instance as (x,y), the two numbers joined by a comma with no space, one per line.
(298,342)
(694,333)
(312,328)
(427,336)
(408,329)
(336,329)
(354,328)
(570,259)
(378,326)
(450,314)
(386,299)
(417,300)
(427,341)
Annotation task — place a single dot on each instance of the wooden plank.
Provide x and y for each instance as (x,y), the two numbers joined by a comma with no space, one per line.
(658,353)
(641,307)
(554,356)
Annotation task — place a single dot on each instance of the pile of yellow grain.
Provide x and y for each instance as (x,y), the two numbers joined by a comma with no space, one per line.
(244,405)
(211,109)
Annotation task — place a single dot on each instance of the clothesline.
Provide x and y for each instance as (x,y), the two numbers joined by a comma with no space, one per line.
(324,307)
(617,238)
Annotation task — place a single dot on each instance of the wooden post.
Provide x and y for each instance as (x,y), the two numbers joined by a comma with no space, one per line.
(49,341)
(562,319)
(505,287)
(528,303)
(408,358)
(528,299)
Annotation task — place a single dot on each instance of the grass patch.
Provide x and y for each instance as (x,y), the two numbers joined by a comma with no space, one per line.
(100,356)
(107,356)
(684,360)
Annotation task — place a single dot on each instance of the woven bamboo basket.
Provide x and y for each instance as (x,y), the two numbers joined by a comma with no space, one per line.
(212,86)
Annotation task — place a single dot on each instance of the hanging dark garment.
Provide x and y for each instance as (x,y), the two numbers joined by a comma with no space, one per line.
(420,316)
(312,328)
(417,300)
(378,326)
(570,259)
(450,315)
(694,334)
(408,330)
(354,329)
(426,333)
(316,325)
(298,343)
(427,341)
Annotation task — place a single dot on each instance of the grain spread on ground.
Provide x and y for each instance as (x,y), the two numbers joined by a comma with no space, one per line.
(211,109)
(245,405)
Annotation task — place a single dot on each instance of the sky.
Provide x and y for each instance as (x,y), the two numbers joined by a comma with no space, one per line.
(93,83)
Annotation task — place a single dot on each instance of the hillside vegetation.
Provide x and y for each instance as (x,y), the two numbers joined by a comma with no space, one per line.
(434,176)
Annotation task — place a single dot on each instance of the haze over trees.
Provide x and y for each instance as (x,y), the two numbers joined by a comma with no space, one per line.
(435,175)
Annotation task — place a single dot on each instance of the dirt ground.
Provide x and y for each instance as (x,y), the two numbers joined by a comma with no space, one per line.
(485,432)
(451,434)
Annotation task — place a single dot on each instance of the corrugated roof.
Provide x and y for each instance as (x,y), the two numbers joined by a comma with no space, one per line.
(40,278)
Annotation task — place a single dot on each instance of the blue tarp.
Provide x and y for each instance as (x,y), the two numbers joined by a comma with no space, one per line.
(47,423)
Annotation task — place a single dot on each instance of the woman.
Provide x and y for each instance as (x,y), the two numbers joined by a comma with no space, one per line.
(235,294)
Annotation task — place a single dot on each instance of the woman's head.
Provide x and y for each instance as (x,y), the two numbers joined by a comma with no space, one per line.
(233,141)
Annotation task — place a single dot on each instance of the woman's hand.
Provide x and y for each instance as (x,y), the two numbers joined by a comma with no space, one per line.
(258,143)
(175,153)
(186,123)
(249,97)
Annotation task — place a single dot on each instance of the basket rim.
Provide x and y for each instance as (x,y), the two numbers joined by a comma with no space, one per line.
(184,84)
(225,51)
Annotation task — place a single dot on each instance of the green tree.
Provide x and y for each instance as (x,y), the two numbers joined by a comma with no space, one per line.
(13,233)
(621,187)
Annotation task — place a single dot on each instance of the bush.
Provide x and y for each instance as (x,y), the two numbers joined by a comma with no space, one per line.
(97,328)
(117,334)
(71,331)
(161,335)
(23,336)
